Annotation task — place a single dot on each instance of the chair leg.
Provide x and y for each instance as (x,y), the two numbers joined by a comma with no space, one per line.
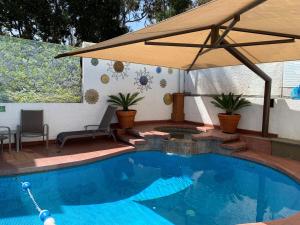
(113,136)
(61,145)
(20,143)
(17,142)
(47,141)
(1,145)
(9,143)
(46,132)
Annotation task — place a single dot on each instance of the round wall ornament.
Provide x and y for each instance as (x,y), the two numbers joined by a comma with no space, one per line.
(104,78)
(94,62)
(168,99)
(163,83)
(118,67)
(91,96)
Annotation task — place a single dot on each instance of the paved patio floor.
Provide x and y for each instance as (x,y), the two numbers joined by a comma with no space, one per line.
(38,158)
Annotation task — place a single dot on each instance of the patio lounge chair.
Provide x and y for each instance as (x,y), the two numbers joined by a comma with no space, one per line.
(32,125)
(102,129)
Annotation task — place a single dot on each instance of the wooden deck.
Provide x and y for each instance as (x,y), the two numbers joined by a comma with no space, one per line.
(38,158)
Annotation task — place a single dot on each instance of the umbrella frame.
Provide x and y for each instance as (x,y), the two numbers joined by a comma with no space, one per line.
(218,41)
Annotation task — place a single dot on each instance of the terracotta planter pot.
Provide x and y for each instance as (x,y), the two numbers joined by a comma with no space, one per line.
(229,123)
(126,118)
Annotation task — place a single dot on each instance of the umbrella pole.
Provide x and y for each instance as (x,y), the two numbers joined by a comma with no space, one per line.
(268,84)
(266,113)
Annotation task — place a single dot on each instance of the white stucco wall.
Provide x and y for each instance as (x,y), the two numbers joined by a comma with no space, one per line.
(70,116)
(284,117)
(237,79)
(152,106)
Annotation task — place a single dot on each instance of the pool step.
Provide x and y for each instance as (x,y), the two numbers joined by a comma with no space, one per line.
(230,142)
(235,145)
(216,135)
(135,133)
(148,134)
(205,128)
(134,137)
(130,139)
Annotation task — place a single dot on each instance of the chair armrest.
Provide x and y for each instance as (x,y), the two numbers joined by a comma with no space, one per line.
(46,128)
(86,127)
(8,129)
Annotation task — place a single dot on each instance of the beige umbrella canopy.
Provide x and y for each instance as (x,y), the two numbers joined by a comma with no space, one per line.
(278,17)
(219,33)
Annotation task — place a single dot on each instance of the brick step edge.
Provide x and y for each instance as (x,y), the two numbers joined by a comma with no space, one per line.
(225,138)
(236,145)
(134,132)
(130,139)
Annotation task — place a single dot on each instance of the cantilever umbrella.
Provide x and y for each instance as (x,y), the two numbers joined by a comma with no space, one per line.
(219,33)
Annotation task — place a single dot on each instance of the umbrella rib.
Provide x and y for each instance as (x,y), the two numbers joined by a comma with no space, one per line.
(243,10)
(263,32)
(202,46)
(199,52)
(219,40)
(92,49)
(224,34)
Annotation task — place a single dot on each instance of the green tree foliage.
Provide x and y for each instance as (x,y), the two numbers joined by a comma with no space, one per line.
(29,72)
(95,20)
(158,10)
(45,20)
(62,21)
(134,11)
(73,21)
(163,9)
(201,2)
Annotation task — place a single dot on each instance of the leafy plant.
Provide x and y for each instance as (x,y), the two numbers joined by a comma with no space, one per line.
(230,103)
(125,101)
(30,74)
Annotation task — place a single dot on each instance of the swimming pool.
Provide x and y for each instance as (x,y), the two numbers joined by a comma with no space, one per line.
(154,188)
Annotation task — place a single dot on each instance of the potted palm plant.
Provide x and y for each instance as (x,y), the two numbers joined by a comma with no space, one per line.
(125,116)
(230,104)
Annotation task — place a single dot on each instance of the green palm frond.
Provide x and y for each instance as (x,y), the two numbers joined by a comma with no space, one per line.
(125,100)
(133,97)
(230,103)
(136,101)
(114,100)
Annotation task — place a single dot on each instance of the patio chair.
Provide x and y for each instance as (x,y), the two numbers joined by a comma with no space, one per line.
(32,125)
(100,130)
(5,133)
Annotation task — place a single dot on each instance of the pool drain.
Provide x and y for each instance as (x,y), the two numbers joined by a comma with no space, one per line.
(190,213)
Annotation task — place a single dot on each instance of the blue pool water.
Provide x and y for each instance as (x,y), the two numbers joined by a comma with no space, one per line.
(153,188)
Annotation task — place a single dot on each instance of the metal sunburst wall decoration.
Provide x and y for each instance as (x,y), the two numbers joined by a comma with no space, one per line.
(143,80)
(91,96)
(118,69)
